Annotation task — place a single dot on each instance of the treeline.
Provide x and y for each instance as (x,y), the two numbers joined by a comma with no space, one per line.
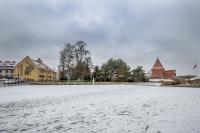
(76,64)
(117,70)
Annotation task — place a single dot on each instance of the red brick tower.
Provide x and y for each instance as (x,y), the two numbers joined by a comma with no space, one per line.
(158,71)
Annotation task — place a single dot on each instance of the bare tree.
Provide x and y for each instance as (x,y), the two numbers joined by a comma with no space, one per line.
(75,60)
(88,61)
(80,51)
(83,59)
(62,65)
(67,61)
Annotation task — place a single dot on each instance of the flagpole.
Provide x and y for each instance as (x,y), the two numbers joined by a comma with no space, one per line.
(196,68)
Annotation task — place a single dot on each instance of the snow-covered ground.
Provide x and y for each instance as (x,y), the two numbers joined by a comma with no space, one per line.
(99,109)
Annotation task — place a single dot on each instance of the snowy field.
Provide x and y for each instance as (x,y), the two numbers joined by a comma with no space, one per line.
(99,109)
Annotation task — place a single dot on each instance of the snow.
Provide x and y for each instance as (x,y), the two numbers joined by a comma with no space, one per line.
(99,109)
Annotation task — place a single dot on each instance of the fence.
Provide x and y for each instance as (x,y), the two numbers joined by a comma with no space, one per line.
(23,82)
(13,82)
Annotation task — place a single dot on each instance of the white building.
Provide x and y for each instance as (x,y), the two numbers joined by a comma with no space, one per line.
(7,69)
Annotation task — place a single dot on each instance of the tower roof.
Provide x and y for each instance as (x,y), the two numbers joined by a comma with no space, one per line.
(158,65)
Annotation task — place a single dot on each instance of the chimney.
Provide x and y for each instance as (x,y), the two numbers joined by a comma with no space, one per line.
(39,60)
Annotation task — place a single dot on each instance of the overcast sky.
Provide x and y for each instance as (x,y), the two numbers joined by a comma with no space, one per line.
(138,31)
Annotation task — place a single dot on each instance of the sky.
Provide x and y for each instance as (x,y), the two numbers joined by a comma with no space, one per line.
(137,31)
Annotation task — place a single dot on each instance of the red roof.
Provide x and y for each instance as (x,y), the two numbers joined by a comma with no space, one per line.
(158,65)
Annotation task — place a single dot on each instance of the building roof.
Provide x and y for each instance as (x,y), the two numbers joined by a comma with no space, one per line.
(158,65)
(7,64)
(170,70)
(39,63)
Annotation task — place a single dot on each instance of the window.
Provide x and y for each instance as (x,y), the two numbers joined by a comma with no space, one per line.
(0,71)
(6,71)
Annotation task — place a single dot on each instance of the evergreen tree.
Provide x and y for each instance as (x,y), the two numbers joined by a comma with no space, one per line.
(138,74)
(115,70)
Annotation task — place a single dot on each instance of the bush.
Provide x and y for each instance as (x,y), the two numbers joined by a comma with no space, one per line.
(130,79)
(108,80)
(99,79)
(121,79)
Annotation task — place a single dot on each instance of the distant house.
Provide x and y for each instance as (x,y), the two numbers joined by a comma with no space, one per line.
(7,69)
(195,80)
(159,72)
(34,70)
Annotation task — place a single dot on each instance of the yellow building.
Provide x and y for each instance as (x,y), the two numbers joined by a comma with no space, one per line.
(35,70)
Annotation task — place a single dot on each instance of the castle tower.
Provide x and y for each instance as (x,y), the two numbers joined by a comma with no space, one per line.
(158,71)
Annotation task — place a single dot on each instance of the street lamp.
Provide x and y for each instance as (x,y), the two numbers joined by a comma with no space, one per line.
(92,74)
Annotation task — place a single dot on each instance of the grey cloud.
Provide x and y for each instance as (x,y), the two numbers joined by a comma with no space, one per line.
(137,31)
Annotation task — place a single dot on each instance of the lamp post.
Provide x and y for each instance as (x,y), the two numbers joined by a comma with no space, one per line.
(92,75)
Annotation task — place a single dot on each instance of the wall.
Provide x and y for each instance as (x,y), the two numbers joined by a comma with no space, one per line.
(170,74)
(157,73)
